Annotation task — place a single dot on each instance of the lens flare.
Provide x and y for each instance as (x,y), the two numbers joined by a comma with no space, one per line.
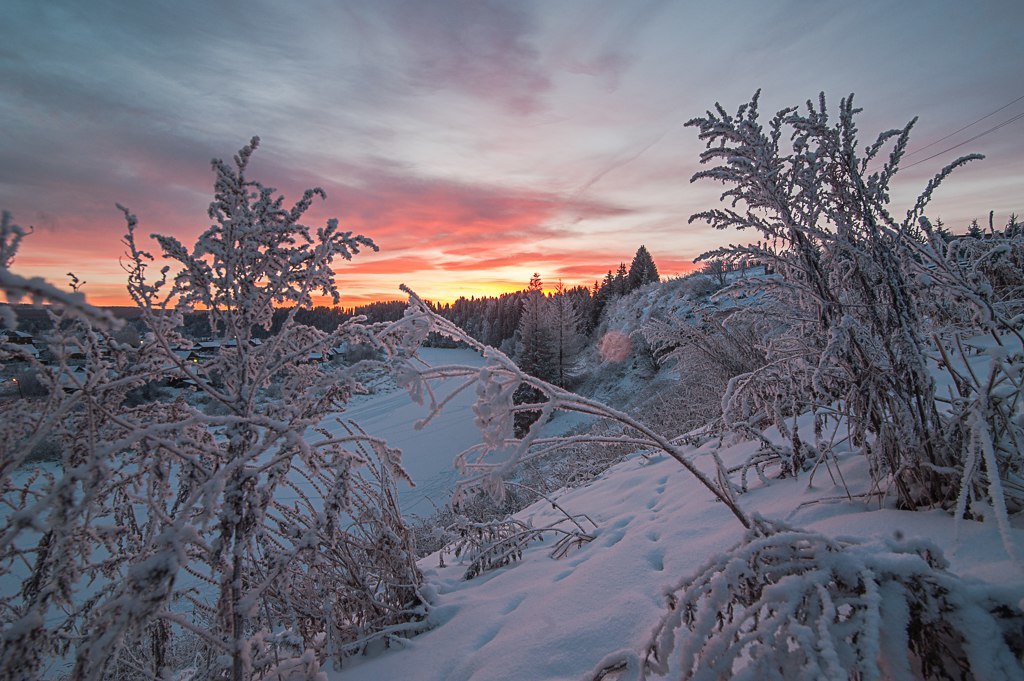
(615,346)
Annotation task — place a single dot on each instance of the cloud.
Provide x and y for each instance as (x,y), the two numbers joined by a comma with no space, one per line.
(429,229)
(372,263)
(482,49)
(459,218)
(584,266)
(461,134)
(606,40)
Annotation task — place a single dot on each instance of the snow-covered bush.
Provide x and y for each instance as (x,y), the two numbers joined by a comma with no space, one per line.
(858,338)
(789,604)
(972,290)
(712,346)
(360,585)
(494,544)
(989,263)
(571,466)
(272,541)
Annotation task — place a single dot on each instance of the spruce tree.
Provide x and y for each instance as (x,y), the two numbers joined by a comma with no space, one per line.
(535,347)
(601,295)
(642,270)
(620,280)
(567,323)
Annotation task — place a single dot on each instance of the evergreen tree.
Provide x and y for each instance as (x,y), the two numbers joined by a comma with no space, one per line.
(642,270)
(620,280)
(535,352)
(567,321)
(601,295)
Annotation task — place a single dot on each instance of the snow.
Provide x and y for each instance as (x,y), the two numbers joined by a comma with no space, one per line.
(541,618)
(427,452)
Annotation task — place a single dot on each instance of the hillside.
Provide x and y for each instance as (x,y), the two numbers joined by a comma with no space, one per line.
(542,618)
(547,615)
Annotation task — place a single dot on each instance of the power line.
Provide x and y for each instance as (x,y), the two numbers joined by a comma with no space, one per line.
(943,139)
(971,139)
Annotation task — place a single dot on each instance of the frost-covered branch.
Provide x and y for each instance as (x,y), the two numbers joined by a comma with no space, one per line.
(496,383)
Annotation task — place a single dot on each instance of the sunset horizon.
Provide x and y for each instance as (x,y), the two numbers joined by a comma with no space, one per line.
(475,143)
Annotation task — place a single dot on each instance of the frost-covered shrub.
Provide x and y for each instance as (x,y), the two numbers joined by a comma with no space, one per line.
(700,286)
(571,466)
(845,274)
(990,263)
(975,307)
(789,605)
(223,527)
(491,545)
(360,583)
(712,346)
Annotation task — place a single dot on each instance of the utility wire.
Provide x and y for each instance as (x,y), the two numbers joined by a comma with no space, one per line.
(971,139)
(943,139)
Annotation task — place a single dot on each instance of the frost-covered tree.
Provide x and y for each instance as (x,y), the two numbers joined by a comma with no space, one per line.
(171,520)
(717,269)
(536,335)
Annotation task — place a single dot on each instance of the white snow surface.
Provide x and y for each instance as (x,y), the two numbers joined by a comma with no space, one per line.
(427,452)
(542,618)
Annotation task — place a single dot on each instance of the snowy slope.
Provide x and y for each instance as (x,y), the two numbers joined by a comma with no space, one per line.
(427,453)
(542,618)
(556,619)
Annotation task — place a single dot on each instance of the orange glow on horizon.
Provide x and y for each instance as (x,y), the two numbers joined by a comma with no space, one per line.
(441,280)
(445,240)
(373,289)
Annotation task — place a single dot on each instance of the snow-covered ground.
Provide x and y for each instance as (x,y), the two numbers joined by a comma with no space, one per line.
(428,452)
(542,618)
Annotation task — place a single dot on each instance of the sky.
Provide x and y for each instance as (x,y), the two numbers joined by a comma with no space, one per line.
(475,142)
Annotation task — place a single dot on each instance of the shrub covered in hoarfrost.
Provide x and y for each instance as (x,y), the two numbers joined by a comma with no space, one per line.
(270,540)
(871,305)
(791,605)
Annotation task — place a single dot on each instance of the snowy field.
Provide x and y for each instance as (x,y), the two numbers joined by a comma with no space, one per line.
(549,619)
